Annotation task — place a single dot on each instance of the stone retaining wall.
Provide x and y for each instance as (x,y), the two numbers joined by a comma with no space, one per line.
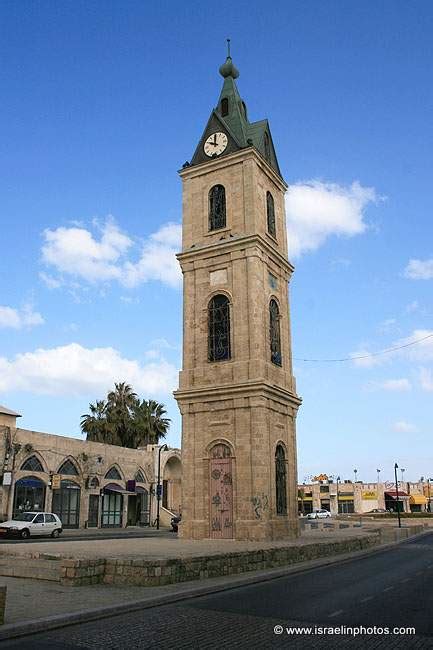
(153,573)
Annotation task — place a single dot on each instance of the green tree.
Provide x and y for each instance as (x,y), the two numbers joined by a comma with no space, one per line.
(125,420)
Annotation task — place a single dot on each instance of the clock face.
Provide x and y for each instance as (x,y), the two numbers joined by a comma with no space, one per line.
(215,144)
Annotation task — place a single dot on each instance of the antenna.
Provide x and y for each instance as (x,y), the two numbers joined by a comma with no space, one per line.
(228,48)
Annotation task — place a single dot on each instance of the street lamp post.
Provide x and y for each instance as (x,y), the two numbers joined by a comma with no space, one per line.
(396,490)
(428,493)
(355,471)
(158,485)
(402,470)
(338,505)
(378,476)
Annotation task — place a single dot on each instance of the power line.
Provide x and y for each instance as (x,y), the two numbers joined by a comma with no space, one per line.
(367,356)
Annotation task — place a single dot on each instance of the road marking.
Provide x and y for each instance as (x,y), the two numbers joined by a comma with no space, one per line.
(339,611)
(388,588)
(364,600)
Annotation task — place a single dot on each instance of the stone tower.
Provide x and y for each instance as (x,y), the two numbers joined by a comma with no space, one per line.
(237,394)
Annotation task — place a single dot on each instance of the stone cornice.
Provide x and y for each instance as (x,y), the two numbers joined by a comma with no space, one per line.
(233,243)
(232,159)
(245,389)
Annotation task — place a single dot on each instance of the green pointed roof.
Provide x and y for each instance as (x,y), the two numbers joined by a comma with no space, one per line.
(233,116)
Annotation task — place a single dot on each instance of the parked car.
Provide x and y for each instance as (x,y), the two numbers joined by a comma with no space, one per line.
(377,511)
(318,514)
(29,524)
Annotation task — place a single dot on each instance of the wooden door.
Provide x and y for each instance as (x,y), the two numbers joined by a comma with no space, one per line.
(221,493)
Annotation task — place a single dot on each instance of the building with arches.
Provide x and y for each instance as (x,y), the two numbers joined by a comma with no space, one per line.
(237,394)
(88,484)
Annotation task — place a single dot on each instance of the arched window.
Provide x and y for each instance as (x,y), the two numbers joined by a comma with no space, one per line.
(32,464)
(139,476)
(244,107)
(280,480)
(267,146)
(68,468)
(113,473)
(217,207)
(270,213)
(224,106)
(219,328)
(274,333)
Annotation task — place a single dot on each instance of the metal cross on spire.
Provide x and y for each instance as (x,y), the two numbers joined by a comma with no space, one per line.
(228,48)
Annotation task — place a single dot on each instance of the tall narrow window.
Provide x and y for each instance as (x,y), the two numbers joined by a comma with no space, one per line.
(270,213)
(224,106)
(267,147)
(274,333)
(217,207)
(280,480)
(219,329)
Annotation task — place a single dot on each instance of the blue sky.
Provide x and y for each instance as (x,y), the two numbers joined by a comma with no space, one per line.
(104,101)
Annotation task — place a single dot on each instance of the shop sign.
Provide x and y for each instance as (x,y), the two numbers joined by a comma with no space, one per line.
(55,481)
(369,496)
(7,478)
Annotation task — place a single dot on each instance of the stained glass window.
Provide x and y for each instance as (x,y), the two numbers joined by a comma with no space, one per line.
(217,207)
(219,329)
(274,333)
(281,480)
(270,212)
(32,464)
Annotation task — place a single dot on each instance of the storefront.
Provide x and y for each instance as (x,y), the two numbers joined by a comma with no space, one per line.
(393,504)
(418,503)
(29,495)
(112,506)
(346,503)
(66,503)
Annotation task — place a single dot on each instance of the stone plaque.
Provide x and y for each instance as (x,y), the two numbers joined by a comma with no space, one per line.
(218,277)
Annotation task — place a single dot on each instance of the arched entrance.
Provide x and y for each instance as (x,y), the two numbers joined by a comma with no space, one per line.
(112,506)
(29,495)
(171,484)
(66,503)
(221,492)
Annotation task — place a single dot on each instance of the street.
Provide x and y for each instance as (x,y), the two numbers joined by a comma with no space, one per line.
(387,589)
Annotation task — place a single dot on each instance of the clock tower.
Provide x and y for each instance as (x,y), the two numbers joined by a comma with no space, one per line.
(237,393)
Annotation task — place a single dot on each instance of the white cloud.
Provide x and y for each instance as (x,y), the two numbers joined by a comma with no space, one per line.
(19,318)
(361,359)
(77,253)
(316,210)
(422,351)
(394,385)
(401,426)
(387,326)
(73,369)
(426,379)
(419,270)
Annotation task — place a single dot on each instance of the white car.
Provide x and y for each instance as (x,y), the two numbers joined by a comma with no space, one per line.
(29,524)
(318,514)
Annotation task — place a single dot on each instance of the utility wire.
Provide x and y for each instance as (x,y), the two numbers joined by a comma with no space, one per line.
(367,356)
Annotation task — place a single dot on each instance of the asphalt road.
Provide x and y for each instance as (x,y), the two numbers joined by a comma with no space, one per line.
(79,536)
(389,589)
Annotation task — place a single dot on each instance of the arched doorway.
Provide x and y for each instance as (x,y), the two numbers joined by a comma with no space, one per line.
(221,492)
(171,484)
(29,495)
(112,506)
(66,503)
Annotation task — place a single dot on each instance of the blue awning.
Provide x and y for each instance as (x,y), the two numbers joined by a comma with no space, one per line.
(30,482)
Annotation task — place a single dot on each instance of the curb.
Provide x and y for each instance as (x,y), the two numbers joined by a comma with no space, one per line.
(15,630)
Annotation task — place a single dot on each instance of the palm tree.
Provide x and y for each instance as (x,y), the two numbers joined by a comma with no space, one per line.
(149,423)
(122,419)
(120,404)
(94,424)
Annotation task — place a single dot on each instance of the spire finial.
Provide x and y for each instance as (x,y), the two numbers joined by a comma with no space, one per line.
(228,69)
